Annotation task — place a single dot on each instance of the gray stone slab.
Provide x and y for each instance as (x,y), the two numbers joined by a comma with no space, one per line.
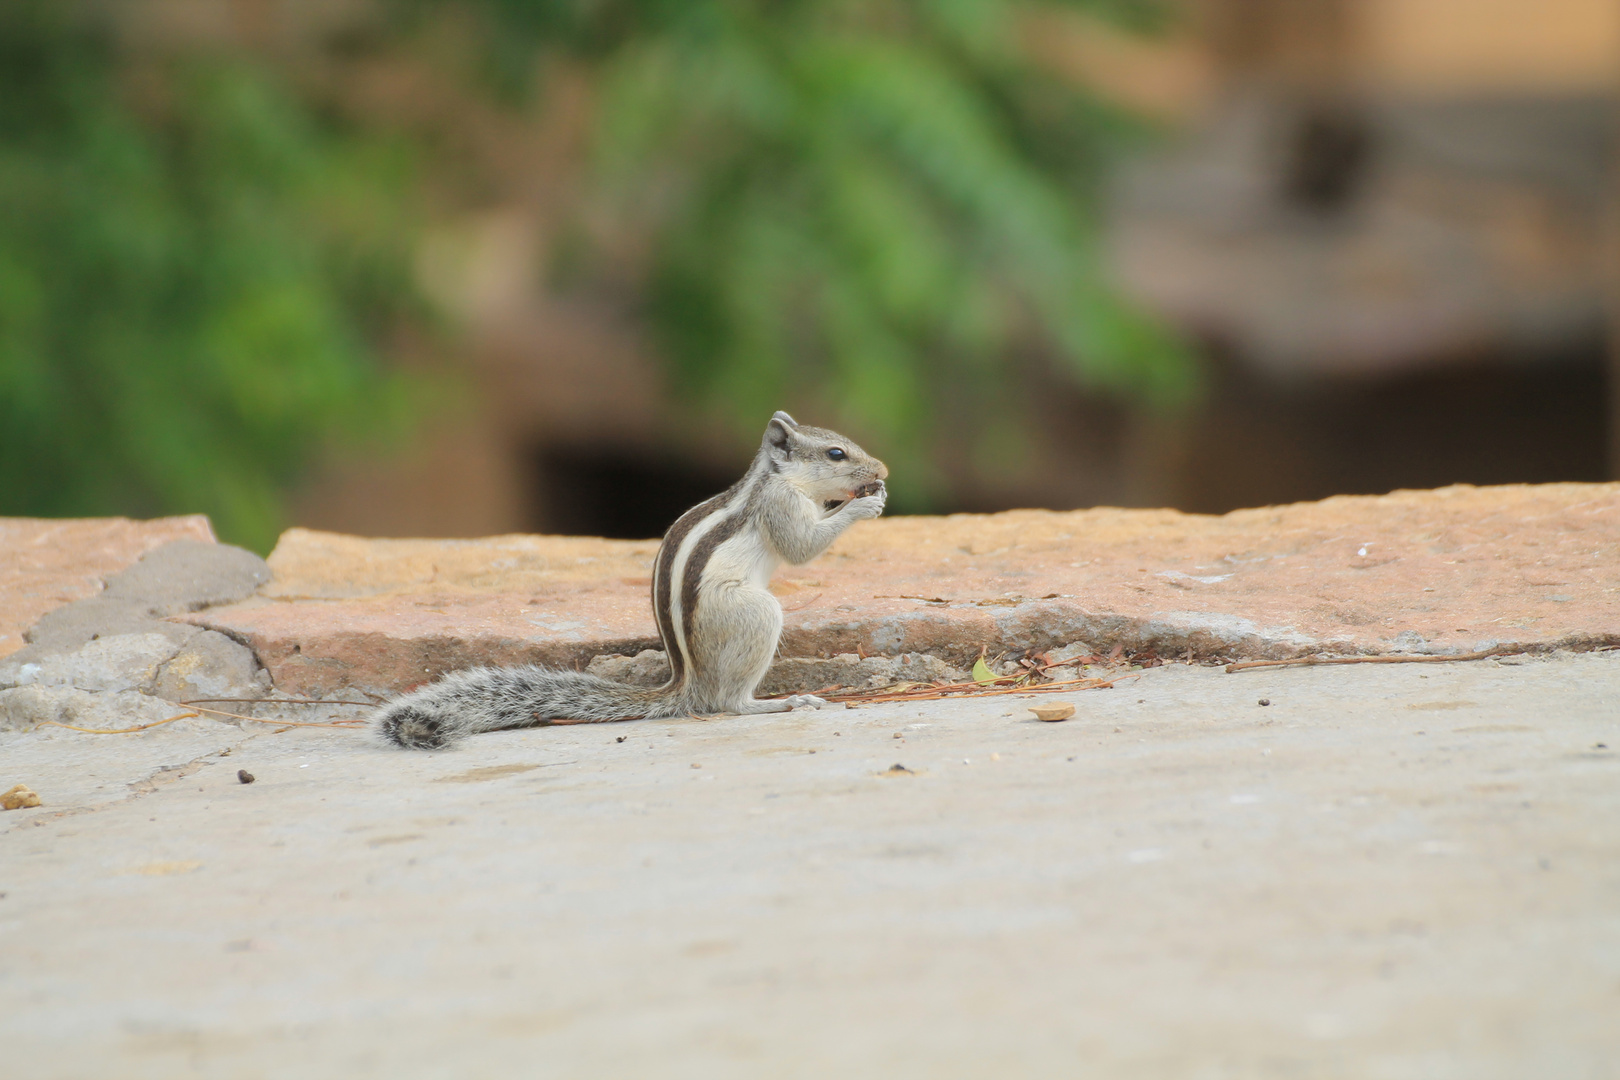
(109,662)
(211,665)
(120,639)
(46,563)
(185,575)
(180,577)
(1398,872)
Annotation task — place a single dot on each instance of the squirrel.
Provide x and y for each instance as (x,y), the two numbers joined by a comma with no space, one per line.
(718,622)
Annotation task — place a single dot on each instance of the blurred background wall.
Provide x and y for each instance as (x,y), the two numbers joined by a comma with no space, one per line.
(1389,223)
(1205,254)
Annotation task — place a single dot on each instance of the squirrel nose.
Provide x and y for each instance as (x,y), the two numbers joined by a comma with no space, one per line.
(882,471)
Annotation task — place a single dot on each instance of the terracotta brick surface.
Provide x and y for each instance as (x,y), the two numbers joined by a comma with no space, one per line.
(1445,571)
(45,564)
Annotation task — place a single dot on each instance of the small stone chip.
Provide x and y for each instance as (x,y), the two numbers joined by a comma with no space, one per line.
(244,776)
(898,769)
(1053,712)
(1265,701)
(19,798)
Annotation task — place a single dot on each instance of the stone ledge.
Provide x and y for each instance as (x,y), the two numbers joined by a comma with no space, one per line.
(1446,571)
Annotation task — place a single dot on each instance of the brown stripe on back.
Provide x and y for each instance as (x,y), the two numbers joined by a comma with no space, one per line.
(663,564)
(705,549)
(699,558)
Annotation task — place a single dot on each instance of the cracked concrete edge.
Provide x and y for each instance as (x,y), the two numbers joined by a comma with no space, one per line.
(370,662)
(1040,625)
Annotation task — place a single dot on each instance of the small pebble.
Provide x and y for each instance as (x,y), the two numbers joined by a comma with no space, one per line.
(20,797)
(1265,701)
(621,738)
(898,769)
(245,777)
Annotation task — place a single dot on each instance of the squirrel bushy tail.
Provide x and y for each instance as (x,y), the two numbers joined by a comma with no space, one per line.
(490,699)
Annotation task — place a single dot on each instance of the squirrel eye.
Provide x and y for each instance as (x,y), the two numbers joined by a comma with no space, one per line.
(837,454)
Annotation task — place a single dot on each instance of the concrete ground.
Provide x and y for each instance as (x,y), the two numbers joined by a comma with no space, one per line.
(1401,871)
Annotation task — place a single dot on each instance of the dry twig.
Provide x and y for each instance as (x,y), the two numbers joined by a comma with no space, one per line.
(120,731)
(349,724)
(1308,661)
(281,701)
(936,691)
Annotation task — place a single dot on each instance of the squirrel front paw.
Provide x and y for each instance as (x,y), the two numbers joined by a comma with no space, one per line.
(869,506)
(807,701)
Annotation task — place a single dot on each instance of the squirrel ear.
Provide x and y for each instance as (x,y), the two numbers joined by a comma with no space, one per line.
(779,430)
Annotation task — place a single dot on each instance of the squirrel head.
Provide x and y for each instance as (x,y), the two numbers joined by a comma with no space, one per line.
(829,468)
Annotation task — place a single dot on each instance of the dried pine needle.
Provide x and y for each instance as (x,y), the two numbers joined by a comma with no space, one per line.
(120,731)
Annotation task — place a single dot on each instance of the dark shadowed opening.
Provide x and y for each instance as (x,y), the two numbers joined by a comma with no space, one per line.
(1484,422)
(582,491)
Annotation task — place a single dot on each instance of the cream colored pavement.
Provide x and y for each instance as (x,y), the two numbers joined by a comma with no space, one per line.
(1402,871)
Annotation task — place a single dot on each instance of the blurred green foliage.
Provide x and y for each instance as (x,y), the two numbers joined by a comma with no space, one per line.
(194,269)
(881,210)
(870,207)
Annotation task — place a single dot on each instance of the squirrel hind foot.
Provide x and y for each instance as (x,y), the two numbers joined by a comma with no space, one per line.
(414,729)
